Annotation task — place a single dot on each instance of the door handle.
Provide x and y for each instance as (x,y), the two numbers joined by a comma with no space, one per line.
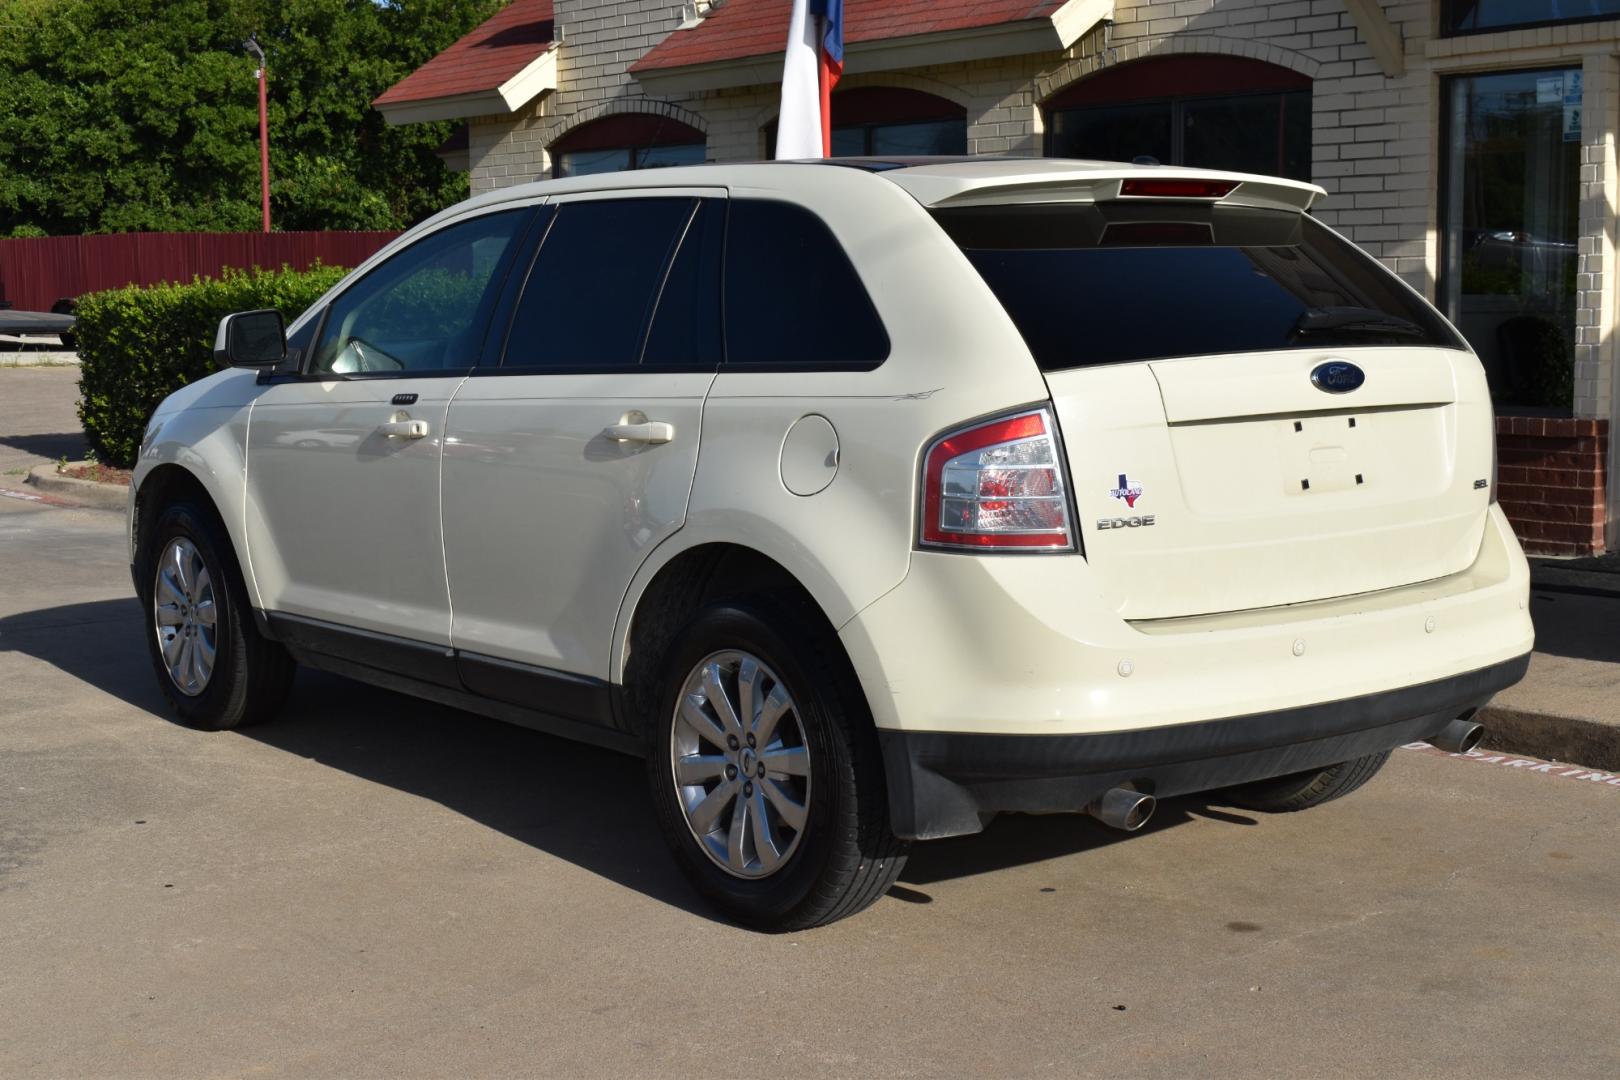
(401,426)
(648,431)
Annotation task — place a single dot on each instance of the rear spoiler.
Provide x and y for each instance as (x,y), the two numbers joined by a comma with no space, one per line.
(1099,185)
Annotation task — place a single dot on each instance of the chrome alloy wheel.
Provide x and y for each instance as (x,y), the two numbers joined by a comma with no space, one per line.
(740,764)
(184,616)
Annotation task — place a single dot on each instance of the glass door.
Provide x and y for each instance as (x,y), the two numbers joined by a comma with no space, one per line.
(1511,227)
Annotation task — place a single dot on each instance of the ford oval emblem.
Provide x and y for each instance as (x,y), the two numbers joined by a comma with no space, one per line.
(1337,377)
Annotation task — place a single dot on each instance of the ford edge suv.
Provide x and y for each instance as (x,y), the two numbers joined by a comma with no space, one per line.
(865,500)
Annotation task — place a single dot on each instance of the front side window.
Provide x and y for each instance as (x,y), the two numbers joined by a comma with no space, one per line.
(1483,16)
(426,307)
(792,299)
(1109,283)
(595,282)
(1511,225)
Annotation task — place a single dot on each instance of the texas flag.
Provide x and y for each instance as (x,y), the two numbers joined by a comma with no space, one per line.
(815,60)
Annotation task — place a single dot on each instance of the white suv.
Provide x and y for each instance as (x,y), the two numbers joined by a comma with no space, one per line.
(865,499)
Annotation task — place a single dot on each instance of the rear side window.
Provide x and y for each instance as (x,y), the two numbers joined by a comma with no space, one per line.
(1108,283)
(594,283)
(792,298)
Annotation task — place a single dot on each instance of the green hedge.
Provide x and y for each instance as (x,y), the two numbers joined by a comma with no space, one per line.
(138,345)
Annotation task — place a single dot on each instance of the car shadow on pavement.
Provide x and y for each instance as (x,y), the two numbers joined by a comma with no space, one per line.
(97,642)
(64,444)
(582,804)
(1576,624)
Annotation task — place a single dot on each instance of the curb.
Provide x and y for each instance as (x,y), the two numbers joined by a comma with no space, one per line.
(87,493)
(39,359)
(1551,737)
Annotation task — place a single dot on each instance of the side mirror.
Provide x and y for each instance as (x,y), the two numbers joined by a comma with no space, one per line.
(251,339)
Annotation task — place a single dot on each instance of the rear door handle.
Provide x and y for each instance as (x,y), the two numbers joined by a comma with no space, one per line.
(401,426)
(648,431)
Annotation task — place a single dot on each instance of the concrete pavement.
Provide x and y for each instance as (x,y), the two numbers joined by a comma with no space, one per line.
(373,886)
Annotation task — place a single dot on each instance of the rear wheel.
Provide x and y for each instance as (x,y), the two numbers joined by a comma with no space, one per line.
(765,774)
(211,663)
(1301,791)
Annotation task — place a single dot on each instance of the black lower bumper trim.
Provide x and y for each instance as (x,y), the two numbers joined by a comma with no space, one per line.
(947,784)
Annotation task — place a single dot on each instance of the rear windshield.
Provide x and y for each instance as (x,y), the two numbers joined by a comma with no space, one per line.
(1108,283)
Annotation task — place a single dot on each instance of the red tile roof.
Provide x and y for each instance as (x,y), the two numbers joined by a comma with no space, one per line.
(744,28)
(503,45)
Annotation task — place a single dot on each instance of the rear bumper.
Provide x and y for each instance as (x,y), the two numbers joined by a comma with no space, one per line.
(946,784)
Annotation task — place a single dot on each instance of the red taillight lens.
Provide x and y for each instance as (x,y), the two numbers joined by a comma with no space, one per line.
(1178,189)
(998,484)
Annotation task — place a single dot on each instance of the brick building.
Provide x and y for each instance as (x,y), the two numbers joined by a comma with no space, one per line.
(1469,144)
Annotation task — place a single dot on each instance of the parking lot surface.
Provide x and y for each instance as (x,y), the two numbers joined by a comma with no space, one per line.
(374,886)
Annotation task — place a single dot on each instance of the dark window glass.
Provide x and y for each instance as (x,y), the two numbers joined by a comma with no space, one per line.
(1266,133)
(1104,284)
(686,322)
(619,159)
(1113,133)
(593,284)
(1511,229)
(424,309)
(1477,16)
(792,297)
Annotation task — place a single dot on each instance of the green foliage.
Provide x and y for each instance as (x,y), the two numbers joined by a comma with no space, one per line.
(120,115)
(138,345)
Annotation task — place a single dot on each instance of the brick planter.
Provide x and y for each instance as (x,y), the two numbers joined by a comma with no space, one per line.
(1551,475)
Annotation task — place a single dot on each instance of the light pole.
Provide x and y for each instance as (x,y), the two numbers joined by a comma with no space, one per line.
(252,46)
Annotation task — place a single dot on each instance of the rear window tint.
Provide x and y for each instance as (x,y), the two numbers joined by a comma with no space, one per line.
(792,298)
(1109,283)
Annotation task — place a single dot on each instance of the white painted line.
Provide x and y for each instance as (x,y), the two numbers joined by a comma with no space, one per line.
(21,495)
(1556,770)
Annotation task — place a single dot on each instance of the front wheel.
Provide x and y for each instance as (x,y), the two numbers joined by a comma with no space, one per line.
(211,663)
(765,772)
(1301,791)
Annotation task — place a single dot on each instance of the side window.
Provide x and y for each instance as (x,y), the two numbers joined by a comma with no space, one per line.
(426,307)
(792,297)
(686,322)
(594,284)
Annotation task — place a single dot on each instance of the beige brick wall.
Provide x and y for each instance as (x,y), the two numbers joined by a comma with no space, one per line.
(1375,143)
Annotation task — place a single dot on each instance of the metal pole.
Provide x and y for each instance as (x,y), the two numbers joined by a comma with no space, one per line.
(264,147)
(252,46)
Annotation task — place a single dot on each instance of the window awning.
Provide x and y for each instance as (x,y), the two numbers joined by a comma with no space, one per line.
(740,42)
(498,68)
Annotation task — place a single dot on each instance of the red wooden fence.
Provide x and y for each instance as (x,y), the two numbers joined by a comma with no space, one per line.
(36,272)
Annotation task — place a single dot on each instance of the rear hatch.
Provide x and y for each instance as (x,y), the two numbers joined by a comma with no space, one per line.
(1255,412)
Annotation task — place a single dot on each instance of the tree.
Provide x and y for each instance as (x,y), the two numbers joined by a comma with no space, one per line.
(123,115)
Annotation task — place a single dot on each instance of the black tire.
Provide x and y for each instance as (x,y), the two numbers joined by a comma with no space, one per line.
(845,857)
(251,675)
(1301,791)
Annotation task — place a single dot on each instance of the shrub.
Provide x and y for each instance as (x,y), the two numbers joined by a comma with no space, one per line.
(139,344)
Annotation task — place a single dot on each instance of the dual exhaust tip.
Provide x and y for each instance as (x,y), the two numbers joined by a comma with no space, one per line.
(1127,810)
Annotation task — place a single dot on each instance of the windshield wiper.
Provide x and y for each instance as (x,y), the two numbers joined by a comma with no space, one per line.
(1354,320)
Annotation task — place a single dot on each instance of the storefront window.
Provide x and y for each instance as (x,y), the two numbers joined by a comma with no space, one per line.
(1216,112)
(1483,16)
(884,121)
(1511,225)
(629,141)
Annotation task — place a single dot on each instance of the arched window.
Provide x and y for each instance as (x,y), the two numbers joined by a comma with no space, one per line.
(890,121)
(626,141)
(1218,112)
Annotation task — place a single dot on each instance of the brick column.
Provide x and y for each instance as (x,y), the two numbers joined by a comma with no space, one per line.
(1551,481)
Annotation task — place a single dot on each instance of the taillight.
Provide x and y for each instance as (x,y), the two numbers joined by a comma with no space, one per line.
(997,484)
(1178,188)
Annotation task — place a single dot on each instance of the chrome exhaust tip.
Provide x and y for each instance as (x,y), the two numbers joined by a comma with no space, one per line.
(1123,809)
(1459,736)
